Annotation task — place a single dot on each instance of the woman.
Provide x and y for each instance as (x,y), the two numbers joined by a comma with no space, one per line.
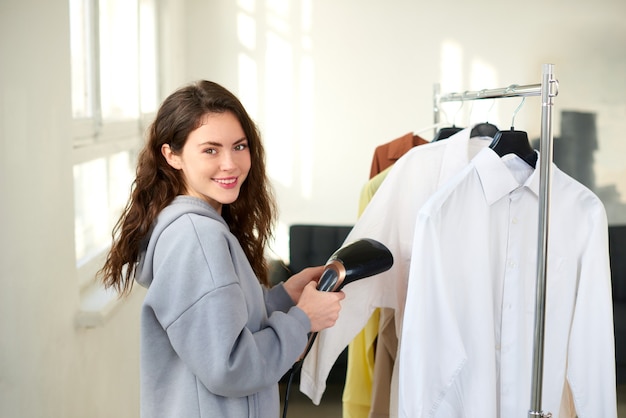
(215,340)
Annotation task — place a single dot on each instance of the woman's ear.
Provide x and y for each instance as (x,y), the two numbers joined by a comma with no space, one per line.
(172,159)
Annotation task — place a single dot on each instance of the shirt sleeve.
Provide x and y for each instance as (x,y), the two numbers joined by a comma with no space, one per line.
(591,362)
(362,297)
(277,299)
(390,219)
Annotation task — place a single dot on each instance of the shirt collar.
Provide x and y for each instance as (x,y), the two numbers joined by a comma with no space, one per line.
(533,181)
(496,178)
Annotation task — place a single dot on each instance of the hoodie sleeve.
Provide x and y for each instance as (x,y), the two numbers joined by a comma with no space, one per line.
(206,297)
(277,299)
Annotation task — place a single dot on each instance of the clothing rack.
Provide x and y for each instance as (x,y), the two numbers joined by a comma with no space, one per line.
(547,89)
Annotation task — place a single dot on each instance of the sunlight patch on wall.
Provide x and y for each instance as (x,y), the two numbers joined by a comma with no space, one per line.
(279,100)
(279,7)
(482,76)
(307,101)
(246,5)
(306,15)
(306,22)
(306,137)
(276,84)
(451,79)
(278,16)
(248,72)
(248,85)
(246,31)
(451,66)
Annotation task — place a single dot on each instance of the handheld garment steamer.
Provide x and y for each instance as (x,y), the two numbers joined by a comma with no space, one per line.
(360,259)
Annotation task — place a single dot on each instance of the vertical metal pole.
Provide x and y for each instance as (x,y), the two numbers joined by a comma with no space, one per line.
(545,148)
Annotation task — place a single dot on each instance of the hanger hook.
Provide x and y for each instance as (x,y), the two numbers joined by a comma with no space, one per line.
(493,103)
(460,107)
(471,110)
(517,110)
(511,89)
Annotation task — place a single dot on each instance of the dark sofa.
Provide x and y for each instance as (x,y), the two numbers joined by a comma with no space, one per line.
(309,245)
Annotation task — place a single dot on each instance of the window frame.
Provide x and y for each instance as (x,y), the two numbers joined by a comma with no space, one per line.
(94,137)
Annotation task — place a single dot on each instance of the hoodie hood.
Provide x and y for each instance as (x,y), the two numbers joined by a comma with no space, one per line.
(181,205)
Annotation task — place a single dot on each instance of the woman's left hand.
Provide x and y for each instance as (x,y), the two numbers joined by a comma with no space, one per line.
(296,283)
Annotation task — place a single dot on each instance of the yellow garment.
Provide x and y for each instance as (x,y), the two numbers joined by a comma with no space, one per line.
(370,188)
(386,349)
(357,392)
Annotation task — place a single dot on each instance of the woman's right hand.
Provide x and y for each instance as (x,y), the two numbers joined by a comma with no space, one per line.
(322,308)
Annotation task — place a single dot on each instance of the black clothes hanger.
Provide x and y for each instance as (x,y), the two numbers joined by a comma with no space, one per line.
(444,133)
(514,142)
(447,132)
(484,129)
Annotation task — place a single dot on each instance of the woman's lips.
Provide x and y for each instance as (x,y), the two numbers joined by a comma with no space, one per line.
(227,183)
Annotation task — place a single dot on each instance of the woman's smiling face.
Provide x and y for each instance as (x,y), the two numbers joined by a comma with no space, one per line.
(215,160)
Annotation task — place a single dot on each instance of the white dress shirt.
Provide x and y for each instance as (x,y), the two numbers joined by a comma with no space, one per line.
(467,338)
(389,218)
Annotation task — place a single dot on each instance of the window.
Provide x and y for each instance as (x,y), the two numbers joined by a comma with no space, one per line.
(101,188)
(114,91)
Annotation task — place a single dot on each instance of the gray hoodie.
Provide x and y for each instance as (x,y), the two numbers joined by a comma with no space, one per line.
(214,342)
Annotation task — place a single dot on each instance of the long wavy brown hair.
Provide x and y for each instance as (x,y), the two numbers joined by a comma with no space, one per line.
(250,218)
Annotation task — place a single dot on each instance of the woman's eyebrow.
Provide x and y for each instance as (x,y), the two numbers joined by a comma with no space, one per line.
(211,143)
(220,144)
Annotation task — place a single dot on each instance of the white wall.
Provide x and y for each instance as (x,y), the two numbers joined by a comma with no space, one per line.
(327,81)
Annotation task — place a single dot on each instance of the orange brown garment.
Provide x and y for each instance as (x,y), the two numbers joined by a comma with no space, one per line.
(387,154)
